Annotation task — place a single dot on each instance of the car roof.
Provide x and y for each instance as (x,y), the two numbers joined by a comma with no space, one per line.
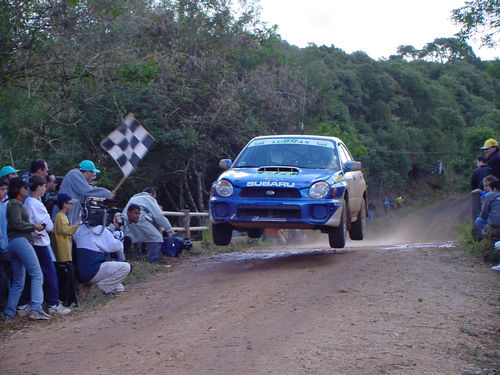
(334,139)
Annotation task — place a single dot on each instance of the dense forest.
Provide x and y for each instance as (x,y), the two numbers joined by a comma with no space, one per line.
(204,79)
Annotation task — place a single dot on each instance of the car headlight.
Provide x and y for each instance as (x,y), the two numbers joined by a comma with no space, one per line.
(319,190)
(224,188)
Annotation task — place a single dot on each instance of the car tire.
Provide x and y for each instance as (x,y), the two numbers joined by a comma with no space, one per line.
(337,236)
(357,231)
(221,234)
(254,233)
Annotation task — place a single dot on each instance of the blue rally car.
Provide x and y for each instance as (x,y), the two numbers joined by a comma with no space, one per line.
(290,181)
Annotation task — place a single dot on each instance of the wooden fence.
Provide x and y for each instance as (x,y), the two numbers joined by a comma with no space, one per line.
(186,215)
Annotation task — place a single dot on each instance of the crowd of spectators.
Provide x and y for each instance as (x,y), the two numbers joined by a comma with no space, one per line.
(48,243)
(485,181)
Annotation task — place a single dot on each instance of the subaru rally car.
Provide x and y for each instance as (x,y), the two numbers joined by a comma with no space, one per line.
(290,181)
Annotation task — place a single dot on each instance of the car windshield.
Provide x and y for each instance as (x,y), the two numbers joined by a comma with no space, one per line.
(301,153)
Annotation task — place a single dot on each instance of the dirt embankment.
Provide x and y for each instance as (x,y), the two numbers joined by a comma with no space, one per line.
(405,301)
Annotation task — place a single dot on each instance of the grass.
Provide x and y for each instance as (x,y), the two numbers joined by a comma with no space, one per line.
(466,239)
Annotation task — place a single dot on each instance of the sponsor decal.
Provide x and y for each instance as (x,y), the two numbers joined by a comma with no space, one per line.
(270,184)
(292,141)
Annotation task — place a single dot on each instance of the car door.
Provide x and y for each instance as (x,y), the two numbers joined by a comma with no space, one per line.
(354,181)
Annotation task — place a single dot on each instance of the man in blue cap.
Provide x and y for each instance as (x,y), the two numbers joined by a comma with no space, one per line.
(7,173)
(76,184)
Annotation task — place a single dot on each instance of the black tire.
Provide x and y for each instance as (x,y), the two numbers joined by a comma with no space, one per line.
(337,236)
(357,231)
(254,233)
(221,234)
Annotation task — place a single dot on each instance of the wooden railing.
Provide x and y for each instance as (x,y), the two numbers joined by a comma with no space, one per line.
(186,215)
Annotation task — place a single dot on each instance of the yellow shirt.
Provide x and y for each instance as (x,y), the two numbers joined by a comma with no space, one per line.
(62,235)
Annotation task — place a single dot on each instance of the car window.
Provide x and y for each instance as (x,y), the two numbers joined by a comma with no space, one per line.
(344,154)
(301,153)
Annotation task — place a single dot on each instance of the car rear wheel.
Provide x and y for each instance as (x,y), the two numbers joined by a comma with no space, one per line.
(221,234)
(357,230)
(254,233)
(337,236)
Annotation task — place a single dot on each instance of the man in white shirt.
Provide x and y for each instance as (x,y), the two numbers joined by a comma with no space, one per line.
(93,262)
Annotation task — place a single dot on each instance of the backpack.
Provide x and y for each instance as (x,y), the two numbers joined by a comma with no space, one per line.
(173,245)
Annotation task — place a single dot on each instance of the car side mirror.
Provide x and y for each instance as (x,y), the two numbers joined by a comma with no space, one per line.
(225,164)
(352,166)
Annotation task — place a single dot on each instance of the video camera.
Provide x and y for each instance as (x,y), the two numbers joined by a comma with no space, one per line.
(98,211)
(50,197)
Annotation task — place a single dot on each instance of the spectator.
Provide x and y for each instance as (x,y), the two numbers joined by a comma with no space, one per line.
(133,213)
(22,254)
(392,202)
(116,229)
(94,244)
(491,151)
(399,201)
(486,185)
(151,219)
(490,211)
(39,167)
(4,279)
(63,233)
(476,181)
(385,204)
(49,199)
(371,210)
(7,173)
(76,184)
(38,214)
(275,235)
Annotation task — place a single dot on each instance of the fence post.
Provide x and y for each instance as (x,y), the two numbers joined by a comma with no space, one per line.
(476,210)
(187,219)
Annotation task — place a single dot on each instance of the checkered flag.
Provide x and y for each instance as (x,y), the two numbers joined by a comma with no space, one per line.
(128,144)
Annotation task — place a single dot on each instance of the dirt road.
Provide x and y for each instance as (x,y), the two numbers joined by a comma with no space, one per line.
(406,301)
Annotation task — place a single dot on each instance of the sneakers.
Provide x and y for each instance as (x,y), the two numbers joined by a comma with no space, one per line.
(6,318)
(23,310)
(39,315)
(496,246)
(59,309)
(496,268)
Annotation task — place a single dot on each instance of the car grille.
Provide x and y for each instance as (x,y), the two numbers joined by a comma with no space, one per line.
(272,212)
(269,193)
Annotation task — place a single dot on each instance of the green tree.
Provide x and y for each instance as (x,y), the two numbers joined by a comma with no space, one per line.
(479,17)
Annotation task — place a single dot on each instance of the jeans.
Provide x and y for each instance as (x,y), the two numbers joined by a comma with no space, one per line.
(370,215)
(153,251)
(23,258)
(50,283)
(480,222)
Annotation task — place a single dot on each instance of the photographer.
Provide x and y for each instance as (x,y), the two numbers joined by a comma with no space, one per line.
(151,218)
(94,244)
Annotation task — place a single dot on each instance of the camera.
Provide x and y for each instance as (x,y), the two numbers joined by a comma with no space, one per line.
(50,197)
(98,211)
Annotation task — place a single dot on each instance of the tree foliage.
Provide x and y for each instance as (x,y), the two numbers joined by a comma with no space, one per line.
(479,17)
(204,80)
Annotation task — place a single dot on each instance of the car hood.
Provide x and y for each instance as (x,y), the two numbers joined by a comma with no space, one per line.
(279,177)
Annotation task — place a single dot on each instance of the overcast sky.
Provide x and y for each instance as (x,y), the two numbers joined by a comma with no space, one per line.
(376,27)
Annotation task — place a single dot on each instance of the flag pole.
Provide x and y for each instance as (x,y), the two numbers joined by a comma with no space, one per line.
(119,184)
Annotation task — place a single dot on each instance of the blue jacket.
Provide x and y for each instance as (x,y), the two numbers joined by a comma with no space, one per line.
(4,240)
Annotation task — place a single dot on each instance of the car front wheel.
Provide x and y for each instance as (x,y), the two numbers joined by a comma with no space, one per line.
(357,231)
(221,234)
(337,236)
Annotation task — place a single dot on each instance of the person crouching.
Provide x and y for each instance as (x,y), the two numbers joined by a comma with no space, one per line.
(94,245)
